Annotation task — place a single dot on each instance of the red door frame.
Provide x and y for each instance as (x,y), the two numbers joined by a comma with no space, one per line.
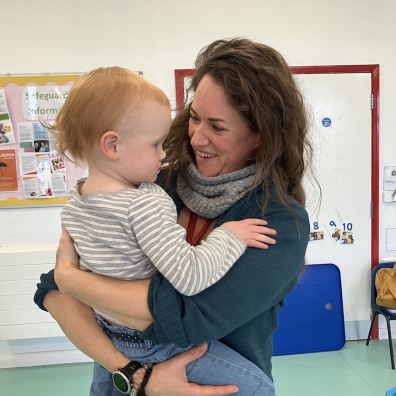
(373,69)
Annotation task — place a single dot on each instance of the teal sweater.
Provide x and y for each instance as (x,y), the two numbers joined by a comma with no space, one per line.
(241,309)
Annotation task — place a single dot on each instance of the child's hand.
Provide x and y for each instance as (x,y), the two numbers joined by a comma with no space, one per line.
(252,232)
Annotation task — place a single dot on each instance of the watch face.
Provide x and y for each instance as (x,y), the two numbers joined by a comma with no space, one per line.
(121,382)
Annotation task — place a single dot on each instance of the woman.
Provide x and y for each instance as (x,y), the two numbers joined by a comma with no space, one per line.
(237,151)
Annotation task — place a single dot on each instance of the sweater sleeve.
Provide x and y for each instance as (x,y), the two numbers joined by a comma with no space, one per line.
(258,282)
(46,284)
(189,269)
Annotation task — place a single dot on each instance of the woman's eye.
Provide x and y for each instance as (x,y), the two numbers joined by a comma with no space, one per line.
(217,128)
(194,118)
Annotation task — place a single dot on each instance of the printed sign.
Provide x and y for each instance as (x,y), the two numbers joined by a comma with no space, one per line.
(43,102)
(389,178)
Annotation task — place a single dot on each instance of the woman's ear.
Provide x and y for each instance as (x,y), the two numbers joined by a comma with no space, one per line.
(108,145)
(257,140)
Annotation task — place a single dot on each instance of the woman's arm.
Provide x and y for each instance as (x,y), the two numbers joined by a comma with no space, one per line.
(79,324)
(168,378)
(258,282)
(125,301)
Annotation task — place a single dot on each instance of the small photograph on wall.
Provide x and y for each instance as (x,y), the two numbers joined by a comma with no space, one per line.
(6,133)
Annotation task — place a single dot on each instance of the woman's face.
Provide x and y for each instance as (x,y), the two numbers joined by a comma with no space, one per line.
(220,138)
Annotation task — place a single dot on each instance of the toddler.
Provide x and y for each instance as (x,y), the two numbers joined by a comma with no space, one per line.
(122,224)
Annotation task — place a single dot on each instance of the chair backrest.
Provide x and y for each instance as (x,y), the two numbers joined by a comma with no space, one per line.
(312,317)
(373,273)
(391,392)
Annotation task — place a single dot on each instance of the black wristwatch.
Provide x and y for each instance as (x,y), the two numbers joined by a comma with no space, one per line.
(122,378)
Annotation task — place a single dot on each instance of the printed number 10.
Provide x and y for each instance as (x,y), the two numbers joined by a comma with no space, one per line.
(347,226)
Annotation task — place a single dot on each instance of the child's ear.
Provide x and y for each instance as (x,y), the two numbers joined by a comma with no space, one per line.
(108,144)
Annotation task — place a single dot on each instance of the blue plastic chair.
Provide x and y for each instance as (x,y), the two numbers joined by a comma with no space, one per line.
(378,309)
(312,317)
(391,392)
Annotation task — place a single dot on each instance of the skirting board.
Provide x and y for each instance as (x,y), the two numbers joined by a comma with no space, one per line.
(358,329)
(39,352)
(59,350)
(42,358)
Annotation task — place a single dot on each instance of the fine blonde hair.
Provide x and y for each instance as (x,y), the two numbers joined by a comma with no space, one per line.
(96,104)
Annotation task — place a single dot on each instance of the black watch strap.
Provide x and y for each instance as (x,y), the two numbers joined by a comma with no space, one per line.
(122,378)
(145,380)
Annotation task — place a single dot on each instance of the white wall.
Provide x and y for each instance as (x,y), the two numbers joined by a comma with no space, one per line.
(160,36)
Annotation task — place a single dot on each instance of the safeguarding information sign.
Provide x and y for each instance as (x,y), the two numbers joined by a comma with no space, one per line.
(43,102)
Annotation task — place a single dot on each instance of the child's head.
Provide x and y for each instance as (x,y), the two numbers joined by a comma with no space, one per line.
(101,101)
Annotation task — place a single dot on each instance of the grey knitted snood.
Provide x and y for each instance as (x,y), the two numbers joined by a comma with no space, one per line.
(211,196)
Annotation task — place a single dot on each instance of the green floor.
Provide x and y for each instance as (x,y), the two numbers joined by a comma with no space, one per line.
(356,370)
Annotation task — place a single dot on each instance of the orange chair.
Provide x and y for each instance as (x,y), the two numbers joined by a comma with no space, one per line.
(378,309)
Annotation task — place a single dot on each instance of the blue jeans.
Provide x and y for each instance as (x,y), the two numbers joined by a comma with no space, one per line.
(220,365)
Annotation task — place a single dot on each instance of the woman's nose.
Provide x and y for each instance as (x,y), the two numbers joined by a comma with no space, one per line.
(162,154)
(199,136)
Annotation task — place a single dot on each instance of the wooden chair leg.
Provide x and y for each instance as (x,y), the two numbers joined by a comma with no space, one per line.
(371,327)
(390,342)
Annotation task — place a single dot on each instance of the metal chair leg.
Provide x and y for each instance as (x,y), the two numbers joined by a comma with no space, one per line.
(371,327)
(390,342)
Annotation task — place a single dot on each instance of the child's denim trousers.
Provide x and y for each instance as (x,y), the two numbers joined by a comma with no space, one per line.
(220,365)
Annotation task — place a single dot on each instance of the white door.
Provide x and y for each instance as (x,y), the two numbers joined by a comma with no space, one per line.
(339,106)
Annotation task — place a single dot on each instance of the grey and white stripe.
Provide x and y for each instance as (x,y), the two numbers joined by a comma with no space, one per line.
(132,233)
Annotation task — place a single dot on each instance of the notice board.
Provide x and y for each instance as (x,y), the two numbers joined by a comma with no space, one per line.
(31,171)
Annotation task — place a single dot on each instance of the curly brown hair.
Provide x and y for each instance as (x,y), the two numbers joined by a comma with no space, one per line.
(259,85)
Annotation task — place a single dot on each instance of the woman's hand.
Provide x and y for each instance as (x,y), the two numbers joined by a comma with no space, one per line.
(66,261)
(169,378)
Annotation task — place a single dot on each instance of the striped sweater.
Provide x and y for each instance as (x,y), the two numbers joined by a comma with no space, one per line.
(130,234)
